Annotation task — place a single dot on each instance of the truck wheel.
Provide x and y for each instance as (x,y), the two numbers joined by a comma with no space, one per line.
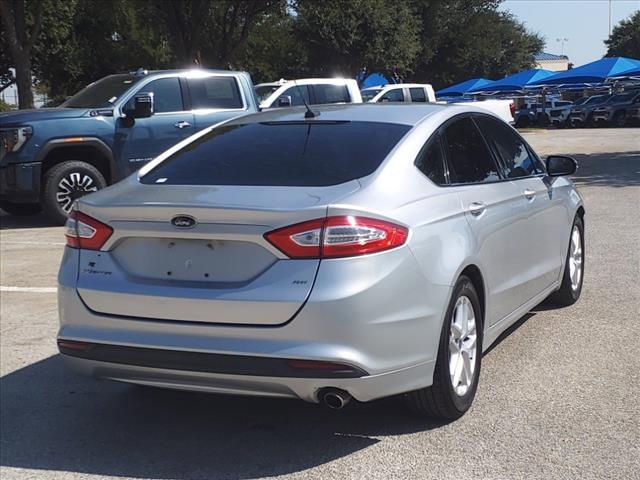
(522,122)
(65,183)
(620,119)
(20,209)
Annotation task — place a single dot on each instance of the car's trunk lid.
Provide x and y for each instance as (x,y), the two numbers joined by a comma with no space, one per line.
(220,270)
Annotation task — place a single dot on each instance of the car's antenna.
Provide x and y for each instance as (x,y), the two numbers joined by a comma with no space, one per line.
(309,113)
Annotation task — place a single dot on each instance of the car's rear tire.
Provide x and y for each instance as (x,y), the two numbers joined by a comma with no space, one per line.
(457,370)
(66,182)
(523,122)
(573,276)
(20,209)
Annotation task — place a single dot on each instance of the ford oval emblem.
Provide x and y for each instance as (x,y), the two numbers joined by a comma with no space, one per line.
(184,221)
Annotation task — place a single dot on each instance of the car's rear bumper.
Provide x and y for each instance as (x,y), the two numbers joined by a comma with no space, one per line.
(384,326)
(363,388)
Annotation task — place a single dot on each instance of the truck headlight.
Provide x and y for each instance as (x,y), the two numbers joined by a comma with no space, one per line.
(12,139)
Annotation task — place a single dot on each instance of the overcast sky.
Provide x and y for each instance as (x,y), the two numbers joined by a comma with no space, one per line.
(584,22)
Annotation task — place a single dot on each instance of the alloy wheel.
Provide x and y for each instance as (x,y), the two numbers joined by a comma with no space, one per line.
(575,259)
(73,186)
(463,341)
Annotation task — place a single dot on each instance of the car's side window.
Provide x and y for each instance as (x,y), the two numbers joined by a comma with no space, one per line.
(515,156)
(394,95)
(331,93)
(215,92)
(417,95)
(430,160)
(468,157)
(167,95)
(299,94)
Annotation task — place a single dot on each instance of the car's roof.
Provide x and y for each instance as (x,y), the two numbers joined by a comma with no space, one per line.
(405,114)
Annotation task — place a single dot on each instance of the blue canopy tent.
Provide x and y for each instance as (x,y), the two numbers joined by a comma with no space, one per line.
(374,80)
(460,89)
(632,72)
(515,82)
(591,73)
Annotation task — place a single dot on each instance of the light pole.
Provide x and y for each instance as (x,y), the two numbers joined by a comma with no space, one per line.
(562,40)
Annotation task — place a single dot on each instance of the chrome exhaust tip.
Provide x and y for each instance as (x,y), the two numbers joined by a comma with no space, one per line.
(334,398)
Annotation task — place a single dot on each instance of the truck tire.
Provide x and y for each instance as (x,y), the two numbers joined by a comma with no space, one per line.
(66,182)
(620,119)
(20,209)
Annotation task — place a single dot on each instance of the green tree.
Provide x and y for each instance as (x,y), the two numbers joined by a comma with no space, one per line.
(462,39)
(344,36)
(21,24)
(211,34)
(624,40)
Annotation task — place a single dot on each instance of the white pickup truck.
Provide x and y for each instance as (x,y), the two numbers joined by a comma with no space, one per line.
(504,108)
(294,93)
(423,92)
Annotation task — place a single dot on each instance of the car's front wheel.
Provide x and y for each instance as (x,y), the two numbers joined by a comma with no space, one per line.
(620,119)
(457,370)
(66,182)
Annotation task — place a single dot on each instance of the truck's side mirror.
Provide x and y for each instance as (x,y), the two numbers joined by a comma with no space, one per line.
(284,101)
(561,165)
(143,105)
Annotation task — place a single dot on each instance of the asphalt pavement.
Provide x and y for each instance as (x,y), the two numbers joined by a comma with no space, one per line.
(558,396)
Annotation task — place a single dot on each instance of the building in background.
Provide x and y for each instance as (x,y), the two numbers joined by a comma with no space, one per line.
(549,61)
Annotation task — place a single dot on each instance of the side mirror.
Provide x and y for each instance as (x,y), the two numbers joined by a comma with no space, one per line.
(284,101)
(560,165)
(143,105)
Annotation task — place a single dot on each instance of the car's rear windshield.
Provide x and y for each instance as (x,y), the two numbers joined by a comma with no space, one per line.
(305,153)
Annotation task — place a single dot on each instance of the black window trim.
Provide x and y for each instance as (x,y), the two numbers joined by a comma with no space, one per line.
(496,161)
(436,136)
(501,169)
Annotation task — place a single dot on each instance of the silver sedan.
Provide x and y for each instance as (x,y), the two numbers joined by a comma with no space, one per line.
(354,251)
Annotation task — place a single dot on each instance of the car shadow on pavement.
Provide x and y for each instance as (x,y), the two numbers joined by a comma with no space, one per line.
(617,169)
(54,420)
(30,221)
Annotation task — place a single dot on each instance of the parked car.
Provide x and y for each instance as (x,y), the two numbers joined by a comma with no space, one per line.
(559,115)
(535,114)
(399,92)
(582,115)
(356,251)
(313,91)
(52,156)
(614,112)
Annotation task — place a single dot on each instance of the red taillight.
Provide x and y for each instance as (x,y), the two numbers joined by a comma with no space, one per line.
(82,231)
(334,237)
(512,107)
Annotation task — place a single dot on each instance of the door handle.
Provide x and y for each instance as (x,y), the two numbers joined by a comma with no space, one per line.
(477,208)
(529,194)
(182,124)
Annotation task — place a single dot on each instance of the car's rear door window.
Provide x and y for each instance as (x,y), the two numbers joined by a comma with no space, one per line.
(215,92)
(515,156)
(313,153)
(417,95)
(469,158)
(331,93)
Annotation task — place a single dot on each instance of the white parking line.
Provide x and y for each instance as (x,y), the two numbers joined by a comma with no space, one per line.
(28,289)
